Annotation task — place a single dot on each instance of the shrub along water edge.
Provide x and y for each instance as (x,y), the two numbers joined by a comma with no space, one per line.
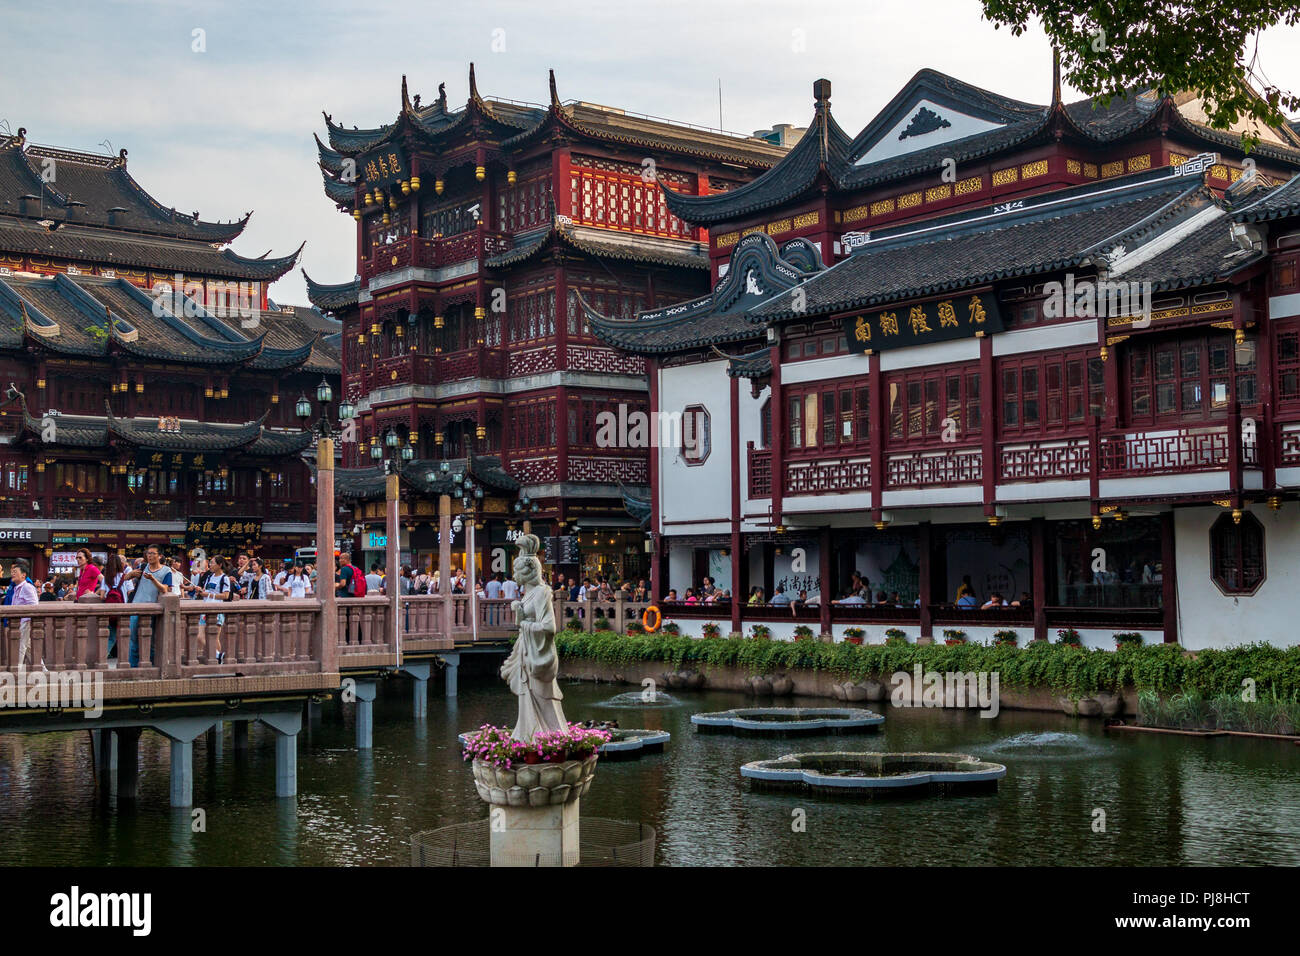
(1165,669)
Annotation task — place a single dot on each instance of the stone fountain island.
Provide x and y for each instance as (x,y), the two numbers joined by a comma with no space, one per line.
(788,721)
(874,775)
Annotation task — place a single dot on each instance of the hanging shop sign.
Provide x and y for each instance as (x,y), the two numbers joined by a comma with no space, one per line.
(562,549)
(217,532)
(895,326)
(383,167)
(176,460)
(33,535)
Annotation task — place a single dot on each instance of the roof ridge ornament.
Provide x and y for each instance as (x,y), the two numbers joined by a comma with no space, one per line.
(555,96)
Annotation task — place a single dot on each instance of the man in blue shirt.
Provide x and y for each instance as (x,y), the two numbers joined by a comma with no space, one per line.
(780,597)
(151,582)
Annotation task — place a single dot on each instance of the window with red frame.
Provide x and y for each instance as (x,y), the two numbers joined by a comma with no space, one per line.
(1237,554)
(1284,274)
(921,402)
(1287,360)
(1050,391)
(1190,378)
(827,416)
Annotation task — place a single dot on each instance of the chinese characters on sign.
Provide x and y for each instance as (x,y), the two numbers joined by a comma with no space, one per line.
(383,167)
(217,531)
(957,317)
(175,460)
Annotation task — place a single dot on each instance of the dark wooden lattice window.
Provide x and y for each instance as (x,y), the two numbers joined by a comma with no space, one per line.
(1237,554)
(1288,365)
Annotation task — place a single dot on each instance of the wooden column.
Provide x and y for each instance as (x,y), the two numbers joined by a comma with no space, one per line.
(925,587)
(778,436)
(988,445)
(1168,577)
(328,625)
(825,574)
(876,436)
(736,550)
(471,576)
(656,559)
(1038,580)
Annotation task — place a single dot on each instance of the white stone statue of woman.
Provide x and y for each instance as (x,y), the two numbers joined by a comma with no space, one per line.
(532,666)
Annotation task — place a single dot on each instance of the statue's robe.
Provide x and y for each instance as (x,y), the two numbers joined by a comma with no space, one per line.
(532,667)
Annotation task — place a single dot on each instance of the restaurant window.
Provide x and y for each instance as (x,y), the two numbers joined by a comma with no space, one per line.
(1284,274)
(1048,392)
(1288,365)
(1237,554)
(1191,378)
(929,404)
(829,417)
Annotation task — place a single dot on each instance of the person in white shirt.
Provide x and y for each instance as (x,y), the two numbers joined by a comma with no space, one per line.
(374,583)
(283,575)
(297,584)
(509,589)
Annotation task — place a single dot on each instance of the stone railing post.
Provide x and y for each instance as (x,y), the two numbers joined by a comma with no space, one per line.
(444,562)
(620,625)
(325,628)
(169,637)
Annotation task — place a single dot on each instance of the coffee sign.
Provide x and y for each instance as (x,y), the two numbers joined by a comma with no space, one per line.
(34,535)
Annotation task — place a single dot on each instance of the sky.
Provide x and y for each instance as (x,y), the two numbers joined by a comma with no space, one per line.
(221,121)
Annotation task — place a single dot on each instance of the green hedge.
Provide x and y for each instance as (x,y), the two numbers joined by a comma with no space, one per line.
(1164,668)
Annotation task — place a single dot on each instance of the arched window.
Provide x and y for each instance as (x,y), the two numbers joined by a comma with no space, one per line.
(1237,554)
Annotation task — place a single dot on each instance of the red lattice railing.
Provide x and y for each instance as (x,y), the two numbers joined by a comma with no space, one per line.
(954,466)
(828,476)
(760,472)
(1166,453)
(1043,461)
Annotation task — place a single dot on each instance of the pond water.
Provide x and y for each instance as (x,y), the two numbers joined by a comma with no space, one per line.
(1167,799)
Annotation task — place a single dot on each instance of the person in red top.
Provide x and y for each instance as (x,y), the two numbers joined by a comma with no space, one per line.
(88,574)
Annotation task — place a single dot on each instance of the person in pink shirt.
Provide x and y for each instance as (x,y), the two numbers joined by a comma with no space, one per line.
(88,574)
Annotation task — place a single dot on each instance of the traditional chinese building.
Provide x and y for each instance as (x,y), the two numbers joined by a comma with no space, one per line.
(1048,349)
(477,227)
(151,383)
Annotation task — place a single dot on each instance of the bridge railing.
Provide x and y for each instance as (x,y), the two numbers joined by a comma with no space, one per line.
(64,635)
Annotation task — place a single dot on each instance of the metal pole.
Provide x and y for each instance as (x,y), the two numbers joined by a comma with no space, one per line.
(471,572)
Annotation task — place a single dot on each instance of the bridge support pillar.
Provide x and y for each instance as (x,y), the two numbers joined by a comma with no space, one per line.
(286,726)
(420,692)
(239,735)
(453,669)
(128,762)
(182,773)
(217,739)
(365,691)
(182,731)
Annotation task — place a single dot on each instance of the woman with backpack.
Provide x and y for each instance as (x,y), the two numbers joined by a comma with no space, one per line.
(218,586)
(110,589)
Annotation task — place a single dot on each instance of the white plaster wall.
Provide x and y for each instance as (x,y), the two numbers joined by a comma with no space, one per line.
(750,431)
(1209,618)
(960,125)
(697,491)
(679,569)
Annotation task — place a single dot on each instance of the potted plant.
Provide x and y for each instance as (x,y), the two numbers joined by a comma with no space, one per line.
(761,632)
(803,633)
(1128,639)
(600,622)
(635,627)
(552,746)
(573,624)
(585,741)
(672,628)
(1069,637)
(710,629)
(951,637)
(1005,638)
(854,635)
(895,635)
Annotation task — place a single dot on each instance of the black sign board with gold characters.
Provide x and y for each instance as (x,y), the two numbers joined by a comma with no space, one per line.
(382,167)
(214,533)
(894,326)
(176,460)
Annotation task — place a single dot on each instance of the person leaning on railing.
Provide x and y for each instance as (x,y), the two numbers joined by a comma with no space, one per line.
(24,592)
(151,582)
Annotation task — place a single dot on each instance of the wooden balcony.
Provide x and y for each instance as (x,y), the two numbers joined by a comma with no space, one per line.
(415,252)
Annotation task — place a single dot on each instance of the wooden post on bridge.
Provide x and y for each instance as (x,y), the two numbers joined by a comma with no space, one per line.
(392,574)
(327,630)
(444,560)
(471,577)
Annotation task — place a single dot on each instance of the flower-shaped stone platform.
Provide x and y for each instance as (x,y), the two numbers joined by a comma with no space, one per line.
(788,721)
(874,774)
(534,784)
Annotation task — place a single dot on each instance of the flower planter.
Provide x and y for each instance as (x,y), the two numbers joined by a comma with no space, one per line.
(532,756)
(853,640)
(548,784)
(950,642)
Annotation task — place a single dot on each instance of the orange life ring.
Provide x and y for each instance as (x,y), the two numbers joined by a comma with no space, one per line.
(645,619)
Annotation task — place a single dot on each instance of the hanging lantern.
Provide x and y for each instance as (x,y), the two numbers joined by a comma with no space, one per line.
(356,214)
(370,200)
(481,432)
(40,383)
(386,220)
(406,188)
(512,177)
(1096,522)
(374,328)
(480,313)
(994,521)
(346,410)
(401,331)
(1236,515)
(480,173)
(439,321)
(40,465)
(438,186)
(139,387)
(415,184)
(437,440)
(361,338)
(324,394)
(207,391)
(392,203)
(1105,353)
(275,398)
(1274,503)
